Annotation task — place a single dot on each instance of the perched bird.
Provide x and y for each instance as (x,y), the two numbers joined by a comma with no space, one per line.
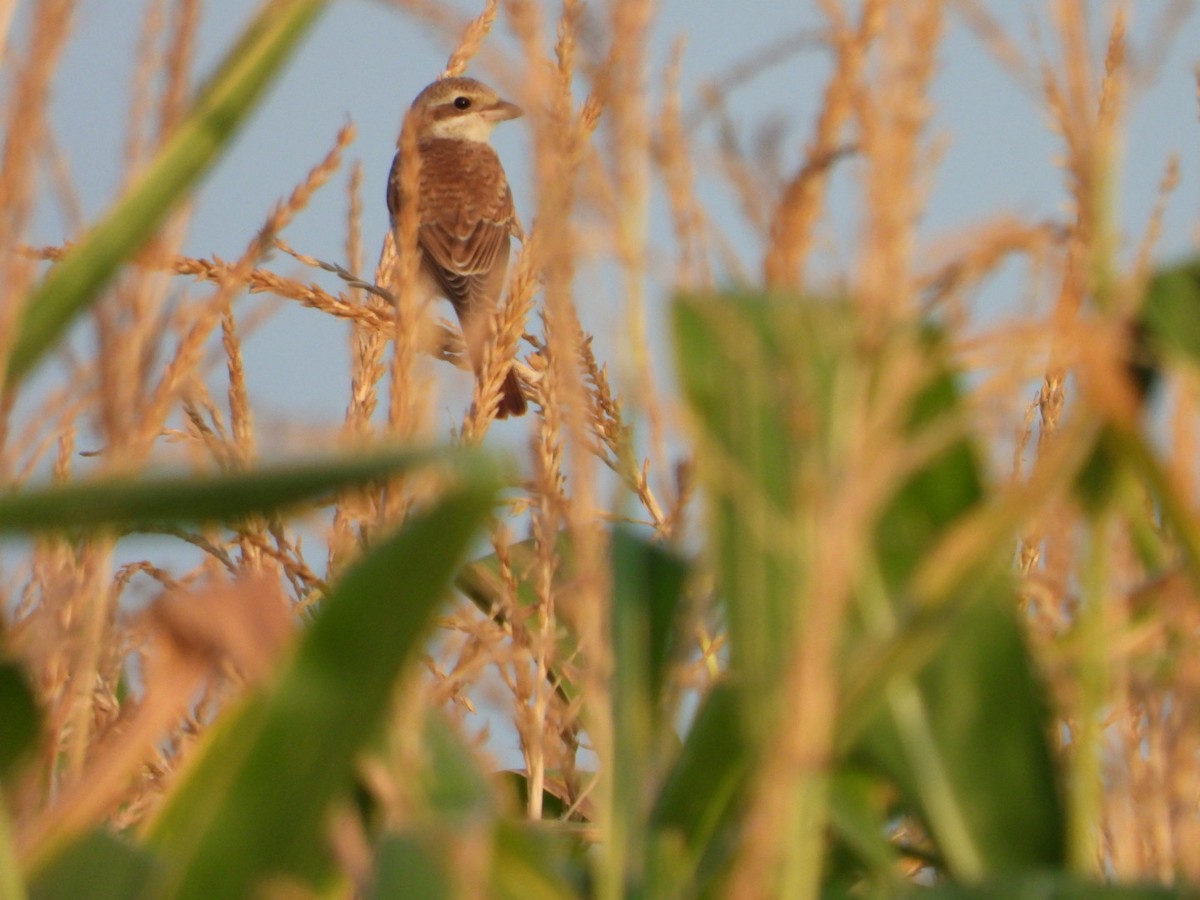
(465,209)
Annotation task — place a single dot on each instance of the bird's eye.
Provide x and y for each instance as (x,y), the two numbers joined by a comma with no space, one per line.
(462,102)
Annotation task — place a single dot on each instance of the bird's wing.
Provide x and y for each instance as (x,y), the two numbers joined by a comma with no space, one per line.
(467,271)
(466,219)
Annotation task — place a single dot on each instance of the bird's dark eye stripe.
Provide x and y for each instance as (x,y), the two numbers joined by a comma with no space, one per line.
(462,102)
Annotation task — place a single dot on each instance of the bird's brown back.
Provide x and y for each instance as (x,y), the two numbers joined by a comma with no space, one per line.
(466,217)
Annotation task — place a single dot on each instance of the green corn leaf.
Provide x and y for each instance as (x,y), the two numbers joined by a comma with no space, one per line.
(20,719)
(697,809)
(966,737)
(647,588)
(1046,886)
(252,809)
(152,503)
(482,582)
(193,147)
(99,866)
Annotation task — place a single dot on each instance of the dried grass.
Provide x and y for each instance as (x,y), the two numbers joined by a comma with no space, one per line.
(154,391)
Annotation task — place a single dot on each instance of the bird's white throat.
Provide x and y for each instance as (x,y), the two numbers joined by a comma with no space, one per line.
(463,128)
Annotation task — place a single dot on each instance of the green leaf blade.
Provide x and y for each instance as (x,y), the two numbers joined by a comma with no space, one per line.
(158,502)
(20,718)
(255,808)
(965,737)
(193,147)
(99,866)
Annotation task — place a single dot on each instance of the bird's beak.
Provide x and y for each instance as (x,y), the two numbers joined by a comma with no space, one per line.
(502,111)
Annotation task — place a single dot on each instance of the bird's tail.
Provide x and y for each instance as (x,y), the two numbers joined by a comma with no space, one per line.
(512,401)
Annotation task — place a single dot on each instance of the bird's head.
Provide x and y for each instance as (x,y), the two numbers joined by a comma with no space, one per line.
(460,109)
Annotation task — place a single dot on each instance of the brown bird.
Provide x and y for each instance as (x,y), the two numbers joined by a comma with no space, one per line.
(465,209)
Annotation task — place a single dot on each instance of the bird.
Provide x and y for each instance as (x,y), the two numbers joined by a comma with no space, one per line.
(465,210)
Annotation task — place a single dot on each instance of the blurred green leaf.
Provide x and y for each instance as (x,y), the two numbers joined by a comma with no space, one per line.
(253,806)
(647,595)
(12,884)
(958,719)
(454,786)
(534,861)
(20,719)
(762,376)
(526,861)
(1046,886)
(98,866)
(1099,476)
(703,793)
(966,741)
(773,384)
(1168,326)
(230,94)
(483,582)
(859,815)
(647,587)
(407,865)
(898,656)
(1170,320)
(967,738)
(1128,451)
(516,784)
(155,502)
(941,491)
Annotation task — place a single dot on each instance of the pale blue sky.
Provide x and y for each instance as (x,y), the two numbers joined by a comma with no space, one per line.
(365,61)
